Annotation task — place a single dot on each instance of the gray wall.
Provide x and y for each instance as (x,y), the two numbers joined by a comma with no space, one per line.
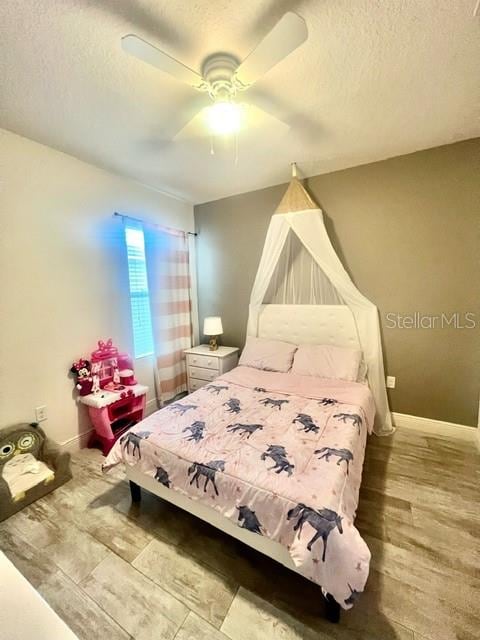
(408,231)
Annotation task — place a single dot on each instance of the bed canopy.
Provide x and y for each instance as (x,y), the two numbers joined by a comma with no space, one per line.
(299,266)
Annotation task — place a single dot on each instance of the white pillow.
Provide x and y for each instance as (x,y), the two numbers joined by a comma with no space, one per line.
(327,361)
(269,355)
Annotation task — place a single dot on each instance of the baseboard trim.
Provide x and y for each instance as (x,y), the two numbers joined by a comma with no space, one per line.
(78,442)
(437,427)
(151,406)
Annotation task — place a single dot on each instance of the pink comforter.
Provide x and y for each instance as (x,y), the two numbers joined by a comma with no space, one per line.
(280,454)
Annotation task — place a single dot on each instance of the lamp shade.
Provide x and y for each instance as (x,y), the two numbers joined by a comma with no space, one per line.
(212,326)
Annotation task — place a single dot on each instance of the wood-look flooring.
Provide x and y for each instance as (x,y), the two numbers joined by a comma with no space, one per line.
(117,571)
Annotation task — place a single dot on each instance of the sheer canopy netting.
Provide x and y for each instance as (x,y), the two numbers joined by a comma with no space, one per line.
(299,266)
(298,279)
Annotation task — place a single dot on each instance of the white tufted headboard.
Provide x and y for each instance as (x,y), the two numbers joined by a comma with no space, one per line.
(309,324)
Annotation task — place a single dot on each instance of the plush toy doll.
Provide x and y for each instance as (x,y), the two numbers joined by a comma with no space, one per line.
(116,372)
(96,377)
(81,369)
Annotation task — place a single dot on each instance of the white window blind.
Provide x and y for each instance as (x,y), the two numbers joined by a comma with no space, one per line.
(139,298)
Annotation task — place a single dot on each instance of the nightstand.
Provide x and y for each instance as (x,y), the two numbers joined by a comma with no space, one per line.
(204,365)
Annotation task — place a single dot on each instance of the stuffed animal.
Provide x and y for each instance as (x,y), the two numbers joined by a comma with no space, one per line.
(81,369)
(30,467)
(116,372)
(96,368)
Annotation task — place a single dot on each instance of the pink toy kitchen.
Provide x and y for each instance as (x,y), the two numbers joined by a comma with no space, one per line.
(107,386)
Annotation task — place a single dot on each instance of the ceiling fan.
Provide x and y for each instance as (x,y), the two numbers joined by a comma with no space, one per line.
(223,76)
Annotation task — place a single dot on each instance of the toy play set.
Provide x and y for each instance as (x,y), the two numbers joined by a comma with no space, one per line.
(107,386)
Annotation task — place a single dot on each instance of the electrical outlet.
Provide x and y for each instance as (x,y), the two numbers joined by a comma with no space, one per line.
(41,413)
(390,382)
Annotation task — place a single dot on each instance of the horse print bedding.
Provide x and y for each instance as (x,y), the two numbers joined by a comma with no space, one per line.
(279,454)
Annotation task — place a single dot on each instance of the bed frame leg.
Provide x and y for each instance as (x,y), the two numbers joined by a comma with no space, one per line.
(135,492)
(333,609)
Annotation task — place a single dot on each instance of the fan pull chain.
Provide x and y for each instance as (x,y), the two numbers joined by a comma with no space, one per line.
(212,146)
(236,148)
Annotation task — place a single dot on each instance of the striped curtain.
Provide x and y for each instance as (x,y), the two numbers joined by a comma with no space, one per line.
(169,285)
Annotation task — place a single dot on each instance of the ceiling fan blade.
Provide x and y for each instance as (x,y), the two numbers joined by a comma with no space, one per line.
(263,119)
(145,51)
(255,120)
(184,114)
(270,105)
(194,128)
(308,128)
(288,34)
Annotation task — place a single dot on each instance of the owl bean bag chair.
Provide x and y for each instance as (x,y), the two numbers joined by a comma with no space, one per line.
(30,467)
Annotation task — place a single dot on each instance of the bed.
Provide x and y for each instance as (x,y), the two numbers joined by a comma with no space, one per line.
(273,459)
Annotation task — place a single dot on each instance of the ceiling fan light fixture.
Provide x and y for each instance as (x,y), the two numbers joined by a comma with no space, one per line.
(223,75)
(224,117)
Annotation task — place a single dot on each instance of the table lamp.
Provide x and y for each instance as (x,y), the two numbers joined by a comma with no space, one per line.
(212,326)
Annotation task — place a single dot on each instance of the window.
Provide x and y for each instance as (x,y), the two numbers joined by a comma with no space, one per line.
(139,299)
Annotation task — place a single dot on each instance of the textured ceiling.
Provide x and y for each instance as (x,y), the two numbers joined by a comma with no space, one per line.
(375,79)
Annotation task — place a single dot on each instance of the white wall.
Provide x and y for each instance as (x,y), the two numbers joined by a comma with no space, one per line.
(63,275)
